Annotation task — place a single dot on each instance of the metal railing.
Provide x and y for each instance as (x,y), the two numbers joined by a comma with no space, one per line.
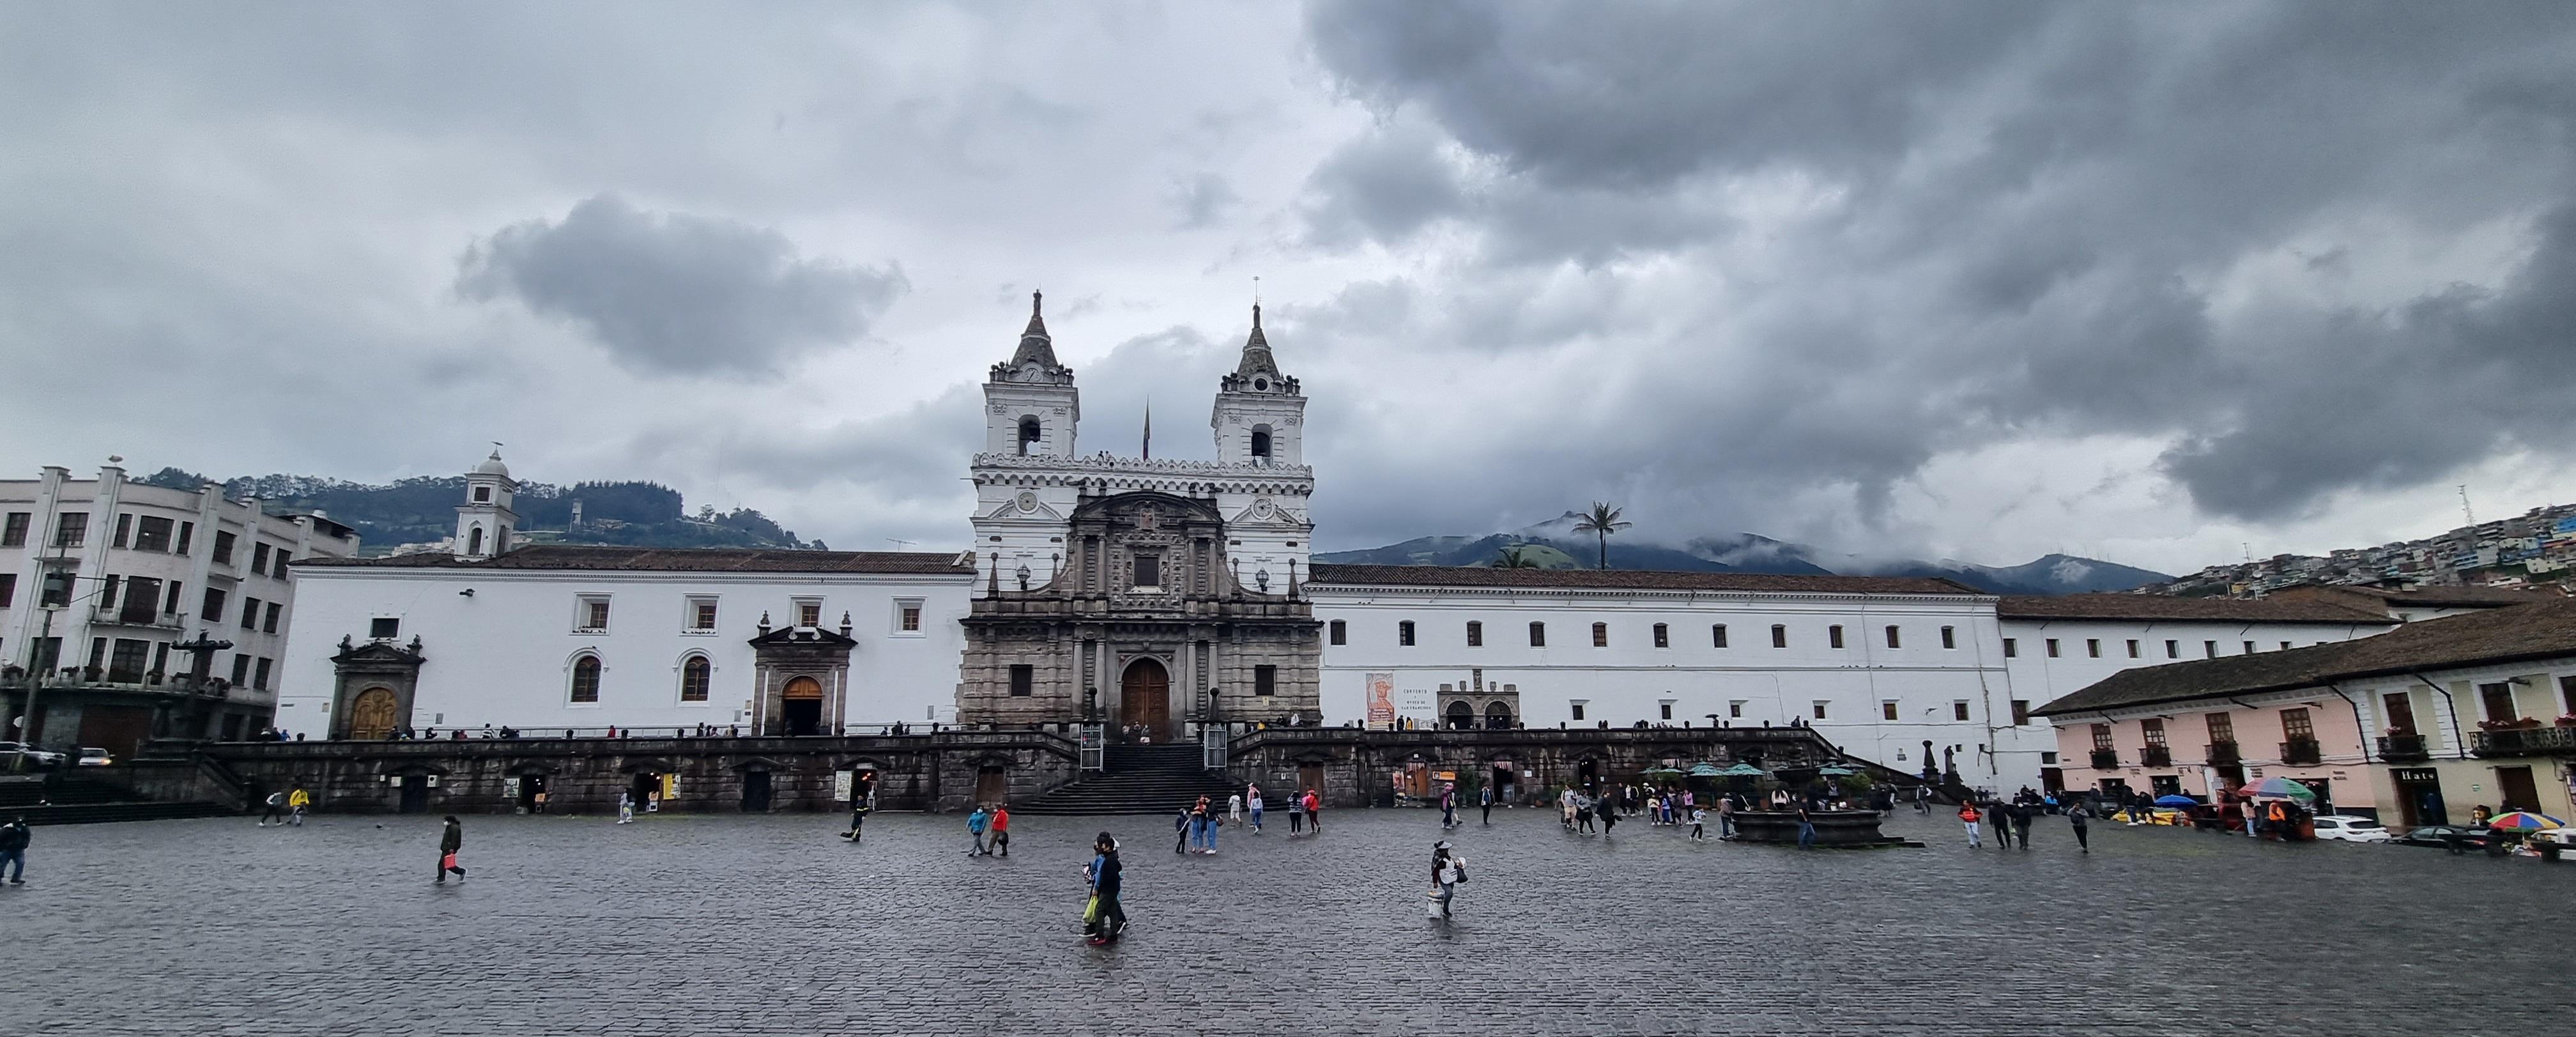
(2106,759)
(2404,748)
(2524,741)
(2224,754)
(2156,756)
(2301,752)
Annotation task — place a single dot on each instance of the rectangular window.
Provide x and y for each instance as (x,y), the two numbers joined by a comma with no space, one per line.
(1341,632)
(250,614)
(259,677)
(278,568)
(259,558)
(1820,709)
(107,592)
(1717,635)
(2222,729)
(223,548)
(1949,637)
(1265,680)
(2249,647)
(1149,571)
(1538,635)
(2285,646)
(125,666)
(71,529)
(2211,647)
(268,624)
(241,669)
(2102,738)
(2012,648)
(8,589)
(2154,730)
(213,612)
(1667,710)
(1600,635)
(907,617)
(384,628)
(1892,641)
(2021,712)
(1887,710)
(809,613)
(1779,636)
(13,531)
(2052,648)
(1834,635)
(590,614)
(170,599)
(2399,711)
(482,495)
(2133,648)
(1735,710)
(1958,711)
(1475,634)
(702,615)
(1663,636)
(2296,727)
(1024,680)
(1404,632)
(2093,647)
(2173,649)
(153,534)
(1577,708)
(187,532)
(124,524)
(2566,689)
(2498,700)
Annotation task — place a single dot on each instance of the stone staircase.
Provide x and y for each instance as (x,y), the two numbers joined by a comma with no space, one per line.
(1139,779)
(78,800)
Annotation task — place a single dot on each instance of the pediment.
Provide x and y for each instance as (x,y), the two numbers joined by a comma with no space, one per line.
(1025,507)
(805,636)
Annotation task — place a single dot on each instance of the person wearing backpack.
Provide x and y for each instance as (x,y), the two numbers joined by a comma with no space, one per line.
(276,804)
(1447,871)
(13,849)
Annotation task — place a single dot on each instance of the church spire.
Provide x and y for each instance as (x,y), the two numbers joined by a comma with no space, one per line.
(1256,351)
(1035,345)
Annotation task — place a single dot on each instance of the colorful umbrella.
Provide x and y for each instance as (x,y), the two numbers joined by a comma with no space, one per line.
(2279,788)
(2176,801)
(2526,820)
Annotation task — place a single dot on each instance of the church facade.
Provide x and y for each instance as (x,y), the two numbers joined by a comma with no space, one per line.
(1145,594)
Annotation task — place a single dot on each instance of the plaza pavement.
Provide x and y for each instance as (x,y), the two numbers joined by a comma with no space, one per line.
(710,924)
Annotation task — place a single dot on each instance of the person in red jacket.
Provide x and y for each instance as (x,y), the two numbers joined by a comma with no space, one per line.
(1314,811)
(1968,816)
(1001,831)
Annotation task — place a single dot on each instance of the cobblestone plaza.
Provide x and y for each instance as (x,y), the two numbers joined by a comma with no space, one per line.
(725,925)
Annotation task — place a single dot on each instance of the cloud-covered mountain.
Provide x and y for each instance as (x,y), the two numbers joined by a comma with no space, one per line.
(1555,545)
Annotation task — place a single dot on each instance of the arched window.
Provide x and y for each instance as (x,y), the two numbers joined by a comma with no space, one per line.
(585,679)
(694,675)
(1461,716)
(474,541)
(1030,433)
(1498,717)
(1261,444)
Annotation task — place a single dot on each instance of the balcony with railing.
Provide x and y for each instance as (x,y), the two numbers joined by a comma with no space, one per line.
(2106,759)
(2404,748)
(2302,752)
(2156,756)
(2524,741)
(2224,754)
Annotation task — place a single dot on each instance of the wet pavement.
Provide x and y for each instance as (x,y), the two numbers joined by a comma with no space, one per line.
(755,925)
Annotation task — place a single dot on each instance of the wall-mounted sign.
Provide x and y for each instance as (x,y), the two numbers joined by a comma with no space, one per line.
(1381,698)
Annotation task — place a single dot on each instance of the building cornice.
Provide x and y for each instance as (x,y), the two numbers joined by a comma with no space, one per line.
(457,574)
(1364,594)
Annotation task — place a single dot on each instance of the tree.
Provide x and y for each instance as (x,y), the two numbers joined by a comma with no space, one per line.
(1601,521)
(1512,558)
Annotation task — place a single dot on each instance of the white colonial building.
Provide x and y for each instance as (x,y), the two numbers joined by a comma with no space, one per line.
(136,611)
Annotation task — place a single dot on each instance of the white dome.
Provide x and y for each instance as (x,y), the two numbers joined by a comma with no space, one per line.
(492,466)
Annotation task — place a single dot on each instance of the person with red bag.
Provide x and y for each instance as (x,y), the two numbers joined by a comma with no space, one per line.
(450,841)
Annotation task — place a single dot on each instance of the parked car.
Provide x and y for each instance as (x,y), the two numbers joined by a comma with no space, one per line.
(2351,828)
(95,757)
(2554,836)
(2440,835)
(35,757)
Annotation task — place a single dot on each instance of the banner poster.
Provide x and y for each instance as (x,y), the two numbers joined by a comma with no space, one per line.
(841,785)
(1381,699)
(670,786)
(1418,705)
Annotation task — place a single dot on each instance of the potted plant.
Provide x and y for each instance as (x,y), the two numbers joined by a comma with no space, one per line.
(2568,720)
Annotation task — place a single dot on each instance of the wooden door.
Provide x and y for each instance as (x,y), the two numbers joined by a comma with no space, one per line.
(371,715)
(992,787)
(1145,697)
(2518,789)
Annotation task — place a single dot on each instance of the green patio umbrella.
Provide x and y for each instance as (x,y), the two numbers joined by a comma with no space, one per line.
(1661,771)
(1703,770)
(1739,770)
(1836,770)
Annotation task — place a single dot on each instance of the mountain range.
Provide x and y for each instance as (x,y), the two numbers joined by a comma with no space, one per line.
(422,510)
(1555,545)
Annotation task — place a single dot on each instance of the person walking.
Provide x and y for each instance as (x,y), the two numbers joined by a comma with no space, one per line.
(1253,799)
(296,801)
(14,837)
(1448,807)
(1699,821)
(626,806)
(1234,808)
(1447,871)
(1609,812)
(1108,919)
(2080,820)
(1485,802)
(276,804)
(1726,817)
(975,823)
(1806,828)
(1296,813)
(1968,816)
(1181,831)
(1315,811)
(1200,816)
(1001,831)
(1922,799)
(450,840)
(1208,833)
(858,817)
(2021,818)
(1583,813)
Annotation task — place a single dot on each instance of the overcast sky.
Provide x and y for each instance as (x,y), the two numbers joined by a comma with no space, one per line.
(1983,281)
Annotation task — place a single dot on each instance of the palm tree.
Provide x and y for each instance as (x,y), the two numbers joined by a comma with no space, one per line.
(1601,521)
(1512,558)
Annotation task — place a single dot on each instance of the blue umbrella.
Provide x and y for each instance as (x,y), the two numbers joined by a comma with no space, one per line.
(2176,801)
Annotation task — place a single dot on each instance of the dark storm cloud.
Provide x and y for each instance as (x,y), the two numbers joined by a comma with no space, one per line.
(675,293)
(1926,228)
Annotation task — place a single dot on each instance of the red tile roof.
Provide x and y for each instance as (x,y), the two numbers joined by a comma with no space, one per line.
(2168,607)
(1627,579)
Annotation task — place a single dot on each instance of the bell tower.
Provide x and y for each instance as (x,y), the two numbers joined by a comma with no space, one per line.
(1259,418)
(1030,404)
(485,522)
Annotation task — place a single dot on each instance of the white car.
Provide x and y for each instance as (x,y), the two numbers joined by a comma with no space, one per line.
(95,757)
(2351,829)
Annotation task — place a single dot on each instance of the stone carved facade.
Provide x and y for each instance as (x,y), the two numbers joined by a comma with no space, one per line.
(1131,590)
